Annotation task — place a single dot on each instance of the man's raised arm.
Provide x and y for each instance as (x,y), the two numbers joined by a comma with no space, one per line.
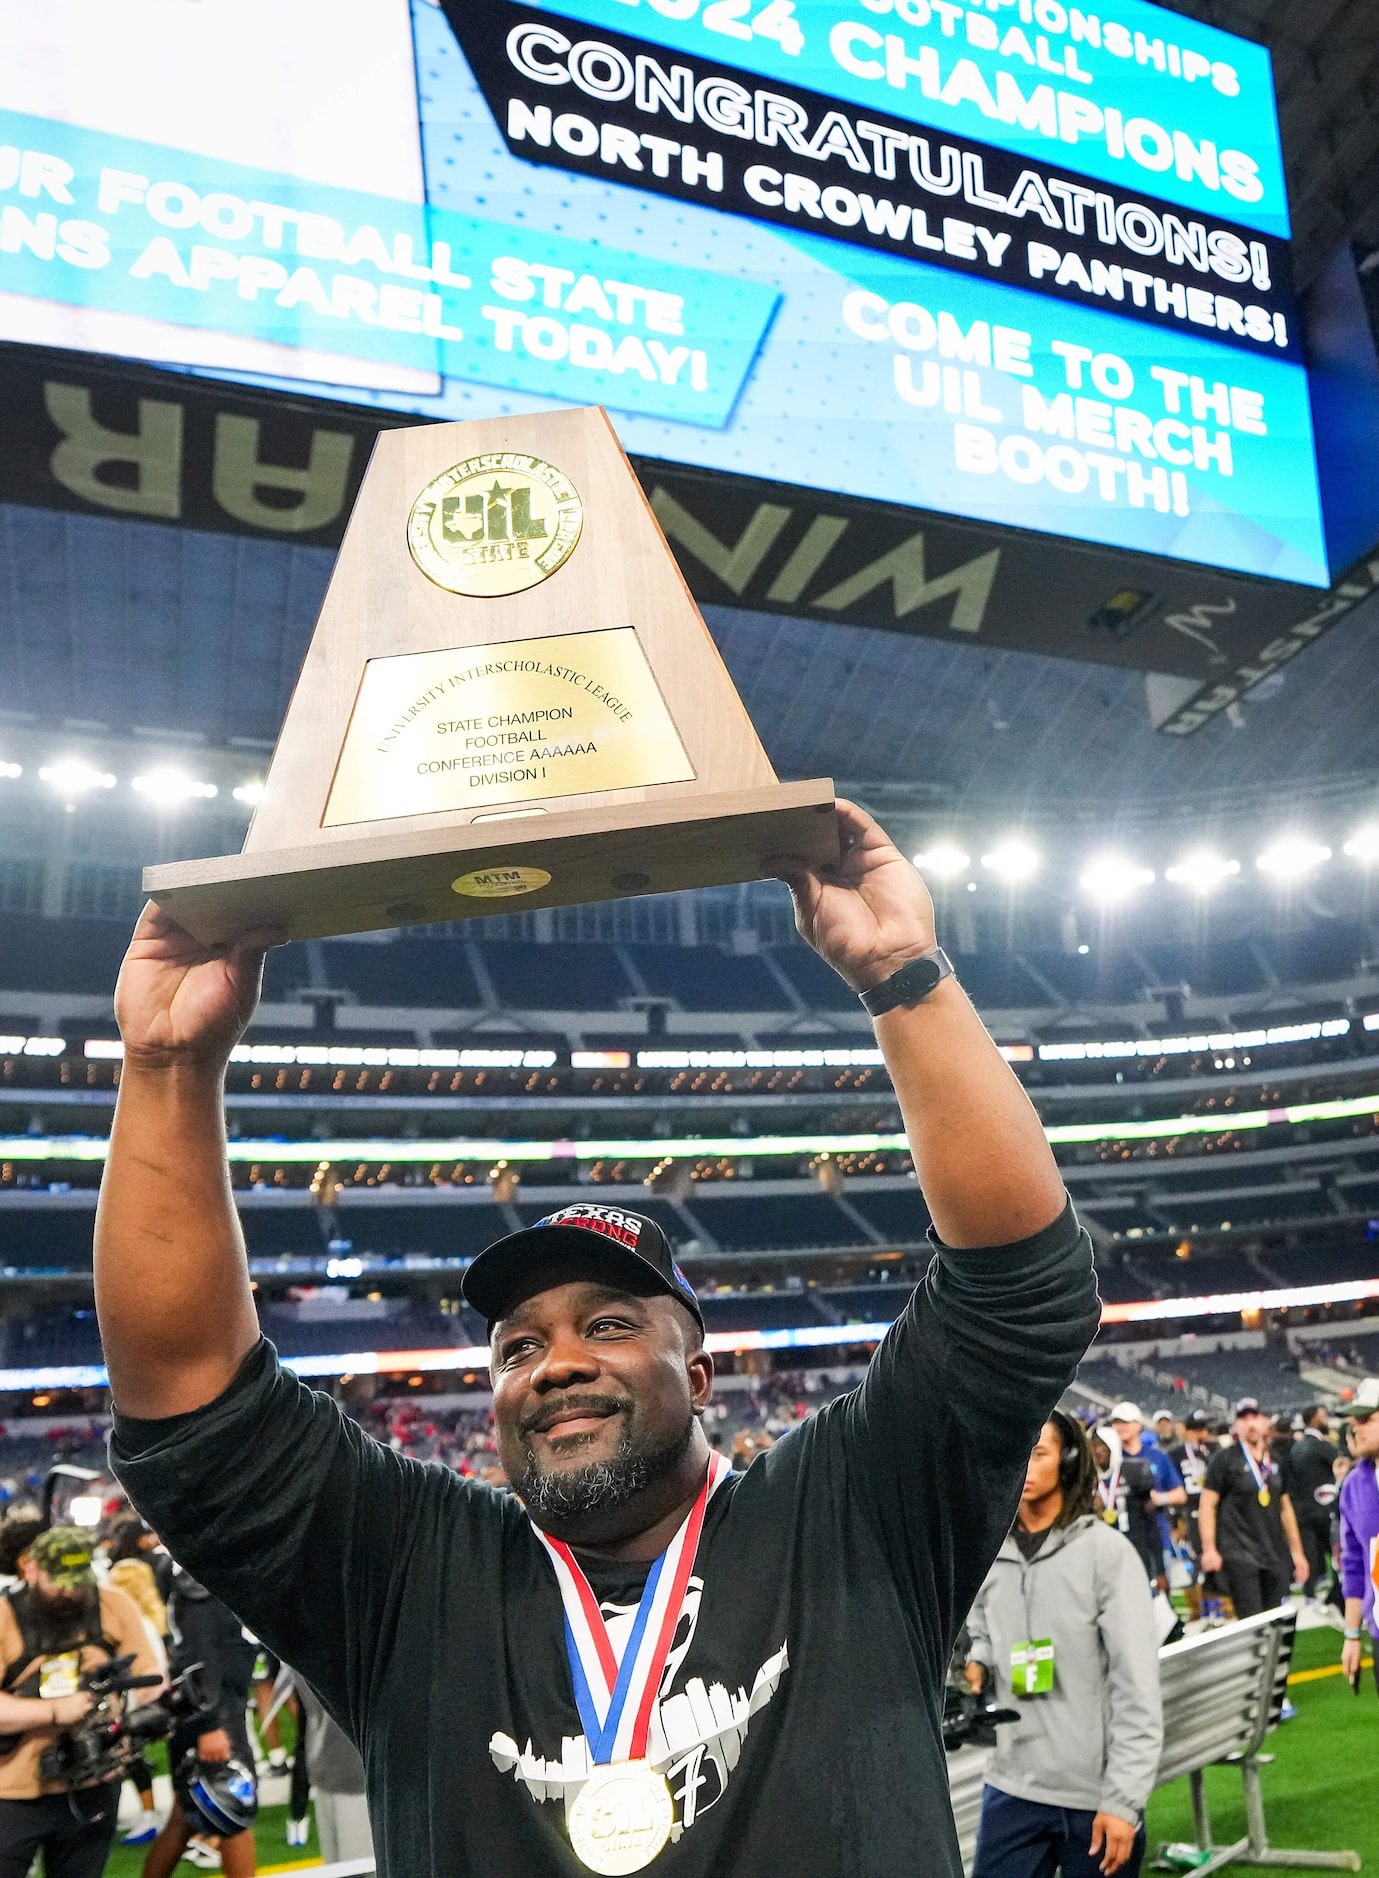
(985,1169)
(173,1296)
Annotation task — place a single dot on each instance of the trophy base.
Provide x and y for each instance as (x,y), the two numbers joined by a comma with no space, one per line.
(504,865)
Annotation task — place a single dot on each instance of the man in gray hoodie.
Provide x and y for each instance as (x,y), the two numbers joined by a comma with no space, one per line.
(1063,1631)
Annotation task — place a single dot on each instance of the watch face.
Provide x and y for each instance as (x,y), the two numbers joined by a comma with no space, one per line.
(920,976)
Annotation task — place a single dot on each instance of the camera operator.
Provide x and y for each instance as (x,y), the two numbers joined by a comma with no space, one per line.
(55,1628)
(211,1747)
(1064,1628)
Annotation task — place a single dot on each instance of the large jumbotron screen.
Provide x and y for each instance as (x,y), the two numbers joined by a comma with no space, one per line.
(1020,261)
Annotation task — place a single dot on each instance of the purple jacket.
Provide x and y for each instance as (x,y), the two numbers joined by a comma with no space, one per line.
(1359,1531)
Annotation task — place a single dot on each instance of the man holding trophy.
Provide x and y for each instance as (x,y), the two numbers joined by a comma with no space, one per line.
(636,1657)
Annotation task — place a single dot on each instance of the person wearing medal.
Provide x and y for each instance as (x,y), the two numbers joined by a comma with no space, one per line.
(1249,1531)
(637,1655)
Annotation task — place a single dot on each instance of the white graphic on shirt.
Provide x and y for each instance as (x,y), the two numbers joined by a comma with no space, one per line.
(695,1739)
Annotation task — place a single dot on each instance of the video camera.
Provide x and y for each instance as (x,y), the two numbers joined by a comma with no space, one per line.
(971,1720)
(105,1743)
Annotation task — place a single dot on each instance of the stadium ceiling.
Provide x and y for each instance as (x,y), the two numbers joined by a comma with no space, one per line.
(1326,72)
(124,625)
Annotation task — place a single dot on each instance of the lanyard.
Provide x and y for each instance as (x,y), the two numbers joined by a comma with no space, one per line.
(1261,1480)
(615,1696)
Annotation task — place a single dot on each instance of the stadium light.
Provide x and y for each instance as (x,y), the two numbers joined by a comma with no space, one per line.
(11,770)
(1293,856)
(1201,870)
(943,860)
(1111,877)
(170,788)
(1012,861)
(70,777)
(250,792)
(1363,845)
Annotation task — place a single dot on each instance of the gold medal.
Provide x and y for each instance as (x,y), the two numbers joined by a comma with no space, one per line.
(1110,1516)
(621,1817)
(1263,1496)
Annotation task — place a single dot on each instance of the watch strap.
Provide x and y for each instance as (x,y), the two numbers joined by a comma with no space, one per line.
(910,984)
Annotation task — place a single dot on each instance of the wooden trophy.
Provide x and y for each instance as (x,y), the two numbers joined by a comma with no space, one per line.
(509,694)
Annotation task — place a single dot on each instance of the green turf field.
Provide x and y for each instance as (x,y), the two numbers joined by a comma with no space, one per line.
(128,1861)
(1318,1794)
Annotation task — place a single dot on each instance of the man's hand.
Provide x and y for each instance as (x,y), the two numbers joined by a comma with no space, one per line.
(1302,1571)
(976,1676)
(1350,1661)
(178,1001)
(1118,1838)
(214,1745)
(1211,1559)
(871,912)
(173,1294)
(67,1710)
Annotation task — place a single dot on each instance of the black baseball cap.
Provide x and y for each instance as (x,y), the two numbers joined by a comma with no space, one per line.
(1247,1405)
(1198,1419)
(606,1238)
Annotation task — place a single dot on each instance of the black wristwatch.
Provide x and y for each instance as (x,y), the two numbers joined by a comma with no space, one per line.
(913,982)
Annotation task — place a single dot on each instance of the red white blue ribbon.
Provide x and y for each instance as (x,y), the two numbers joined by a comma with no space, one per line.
(1261,1477)
(615,1693)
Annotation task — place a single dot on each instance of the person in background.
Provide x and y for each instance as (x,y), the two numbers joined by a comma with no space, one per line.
(1359,1535)
(57,1625)
(1249,1530)
(337,1783)
(1309,1476)
(17,1533)
(1063,1630)
(1151,1483)
(131,1572)
(1165,1431)
(204,1632)
(1191,1456)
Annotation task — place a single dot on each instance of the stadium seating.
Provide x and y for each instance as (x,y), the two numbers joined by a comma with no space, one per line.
(702,978)
(901,1218)
(867,1304)
(742,1222)
(528,977)
(427,1232)
(818,984)
(46,1238)
(69,955)
(406,971)
(773,1311)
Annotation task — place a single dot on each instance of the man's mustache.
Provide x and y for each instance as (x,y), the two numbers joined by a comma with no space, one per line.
(566,1407)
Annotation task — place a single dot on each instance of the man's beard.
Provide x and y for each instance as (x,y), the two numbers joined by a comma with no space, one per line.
(557,1498)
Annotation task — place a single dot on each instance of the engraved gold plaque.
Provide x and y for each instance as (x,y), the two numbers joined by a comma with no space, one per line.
(530,719)
(495,524)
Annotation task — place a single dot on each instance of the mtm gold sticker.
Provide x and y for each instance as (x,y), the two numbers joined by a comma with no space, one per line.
(495,524)
(525,721)
(500,883)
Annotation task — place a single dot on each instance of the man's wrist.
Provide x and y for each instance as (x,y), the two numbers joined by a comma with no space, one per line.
(193,1070)
(908,983)
(1354,1636)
